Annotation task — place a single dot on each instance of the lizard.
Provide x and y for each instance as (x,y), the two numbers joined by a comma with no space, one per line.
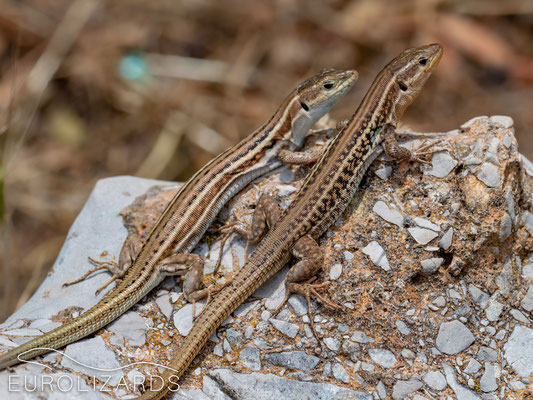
(323,197)
(166,251)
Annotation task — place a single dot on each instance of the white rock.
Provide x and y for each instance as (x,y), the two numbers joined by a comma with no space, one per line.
(377,255)
(454,337)
(489,174)
(502,120)
(421,235)
(383,357)
(446,240)
(441,164)
(527,301)
(335,272)
(426,223)
(494,310)
(435,380)
(518,350)
(389,214)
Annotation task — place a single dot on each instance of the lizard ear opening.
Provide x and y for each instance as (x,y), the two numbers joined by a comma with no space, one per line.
(304,106)
(402,86)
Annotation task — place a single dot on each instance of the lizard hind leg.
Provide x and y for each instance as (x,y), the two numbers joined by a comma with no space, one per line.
(130,249)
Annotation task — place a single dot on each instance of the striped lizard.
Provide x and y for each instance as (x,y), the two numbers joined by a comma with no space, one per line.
(188,215)
(323,197)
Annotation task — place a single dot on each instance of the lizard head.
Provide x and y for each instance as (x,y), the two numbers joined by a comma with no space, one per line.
(315,97)
(410,71)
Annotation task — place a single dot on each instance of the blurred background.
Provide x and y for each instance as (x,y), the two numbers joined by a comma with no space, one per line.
(95,88)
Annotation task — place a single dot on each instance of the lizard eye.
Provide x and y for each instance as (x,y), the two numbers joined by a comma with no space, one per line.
(304,106)
(403,86)
(328,85)
(423,61)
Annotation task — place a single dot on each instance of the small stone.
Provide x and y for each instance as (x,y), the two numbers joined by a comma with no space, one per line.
(489,174)
(361,337)
(439,301)
(441,164)
(487,354)
(421,235)
(435,380)
(472,160)
(527,271)
(506,227)
(502,120)
(249,356)
(488,380)
(408,354)
(132,326)
(491,154)
(403,328)
(352,349)
(425,223)
(461,392)
(285,190)
(292,360)
(507,141)
(332,343)
(286,176)
(335,272)
(518,350)
(340,373)
(431,265)
(183,320)
(291,330)
(348,256)
(453,337)
(519,316)
(472,367)
(446,240)
(388,214)
(377,255)
(383,357)
(298,304)
(475,120)
(494,310)
(478,296)
(403,388)
(527,301)
(384,173)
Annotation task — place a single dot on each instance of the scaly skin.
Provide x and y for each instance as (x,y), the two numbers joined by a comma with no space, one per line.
(194,207)
(324,196)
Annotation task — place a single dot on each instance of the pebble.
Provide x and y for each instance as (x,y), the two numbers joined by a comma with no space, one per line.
(377,255)
(502,120)
(403,388)
(389,214)
(519,316)
(478,296)
(292,360)
(384,173)
(472,367)
(403,328)
(132,326)
(488,383)
(527,301)
(518,350)
(352,348)
(291,330)
(506,227)
(487,354)
(380,388)
(183,318)
(249,356)
(245,308)
(332,343)
(285,190)
(474,120)
(527,271)
(435,380)
(383,357)
(431,265)
(408,354)
(454,337)
(340,373)
(491,154)
(446,240)
(460,391)
(441,164)
(507,141)
(421,235)
(425,223)
(348,256)
(163,302)
(439,301)
(335,272)
(298,304)
(494,310)
(489,174)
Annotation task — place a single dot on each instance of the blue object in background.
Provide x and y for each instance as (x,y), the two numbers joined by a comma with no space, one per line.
(133,67)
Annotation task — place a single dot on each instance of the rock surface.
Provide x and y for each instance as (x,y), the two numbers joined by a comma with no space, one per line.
(431,264)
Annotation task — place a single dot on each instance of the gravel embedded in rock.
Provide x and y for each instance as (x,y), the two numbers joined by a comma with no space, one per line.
(384,173)
(518,350)
(488,380)
(446,240)
(332,343)
(351,348)
(435,380)
(389,214)
(291,330)
(494,310)
(441,164)
(489,174)
(383,357)
(183,319)
(163,302)
(430,265)
(335,272)
(403,328)
(348,256)
(249,356)
(298,304)
(403,388)
(506,227)
(472,367)
(132,326)
(478,296)
(491,154)
(453,337)
(519,316)
(340,373)
(425,223)
(502,120)
(421,235)
(361,337)
(527,301)
(527,271)
(377,255)
(293,360)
